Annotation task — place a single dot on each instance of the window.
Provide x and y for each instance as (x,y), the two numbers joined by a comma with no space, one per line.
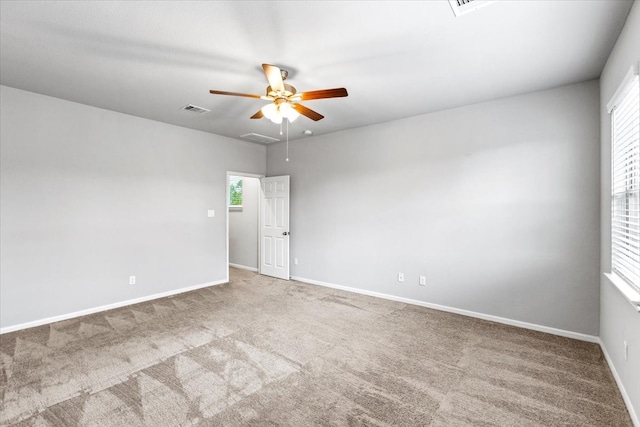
(235,191)
(625,181)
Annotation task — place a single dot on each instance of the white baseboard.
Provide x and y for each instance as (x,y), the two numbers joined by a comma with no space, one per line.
(503,320)
(67,316)
(623,391)
(243,267)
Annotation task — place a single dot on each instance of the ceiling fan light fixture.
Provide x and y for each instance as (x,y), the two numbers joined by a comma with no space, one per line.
(287,111)
(293,115)
(277,112)
(270,111)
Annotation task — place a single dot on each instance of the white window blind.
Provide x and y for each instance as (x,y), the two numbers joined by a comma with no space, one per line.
(625,169)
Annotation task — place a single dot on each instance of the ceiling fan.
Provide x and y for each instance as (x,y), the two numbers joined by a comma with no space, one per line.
(285,98)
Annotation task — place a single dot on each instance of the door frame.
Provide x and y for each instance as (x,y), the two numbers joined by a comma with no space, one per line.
(226,213)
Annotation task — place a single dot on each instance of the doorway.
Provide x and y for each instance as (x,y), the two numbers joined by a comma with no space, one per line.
(252,244)
(243,205)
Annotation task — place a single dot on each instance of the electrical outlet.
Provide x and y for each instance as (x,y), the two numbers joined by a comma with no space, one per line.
(423,280)
(626,351)
(132,280)
(211,213)
(400,277)
(295,261)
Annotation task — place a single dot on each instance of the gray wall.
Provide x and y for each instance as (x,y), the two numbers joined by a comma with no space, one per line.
(90,197)
(618,319)
(243,226)
(497,204)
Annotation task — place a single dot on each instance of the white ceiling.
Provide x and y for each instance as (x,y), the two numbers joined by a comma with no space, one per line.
(396,59)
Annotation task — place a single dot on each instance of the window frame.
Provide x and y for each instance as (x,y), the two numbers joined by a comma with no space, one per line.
(626,279)
(229,183)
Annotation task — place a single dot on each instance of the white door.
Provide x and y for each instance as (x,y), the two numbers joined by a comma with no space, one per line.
(274,227)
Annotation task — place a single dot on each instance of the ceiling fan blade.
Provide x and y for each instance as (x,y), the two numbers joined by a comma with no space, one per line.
(221,92)
(274,76)
(258,115)
(307,112)
(322,94)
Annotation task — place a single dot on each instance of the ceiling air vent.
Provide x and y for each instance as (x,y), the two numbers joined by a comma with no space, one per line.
(460,7)
(256,137)
(195,109)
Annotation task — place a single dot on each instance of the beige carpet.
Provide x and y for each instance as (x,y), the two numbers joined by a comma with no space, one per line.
(265,352)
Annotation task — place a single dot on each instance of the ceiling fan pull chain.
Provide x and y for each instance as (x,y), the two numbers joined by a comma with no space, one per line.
(280,128)
(287,158)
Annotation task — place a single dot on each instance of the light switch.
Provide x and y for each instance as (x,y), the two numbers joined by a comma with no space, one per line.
(211,213)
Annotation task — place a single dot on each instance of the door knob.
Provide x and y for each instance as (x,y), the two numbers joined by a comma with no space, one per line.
(285,233)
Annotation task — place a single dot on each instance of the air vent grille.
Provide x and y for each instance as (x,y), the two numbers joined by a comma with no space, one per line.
(195,109)
(460,7)
(256,137)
